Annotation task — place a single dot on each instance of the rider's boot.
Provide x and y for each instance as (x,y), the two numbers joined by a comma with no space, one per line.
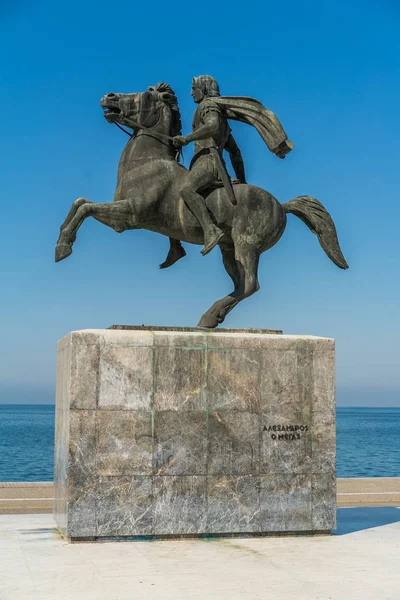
(212,233)
(176,252)
(212,236)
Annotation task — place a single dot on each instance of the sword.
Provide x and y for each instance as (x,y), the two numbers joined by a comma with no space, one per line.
(222,172)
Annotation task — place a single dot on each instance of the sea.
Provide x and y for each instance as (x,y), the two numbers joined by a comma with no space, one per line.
(368,442)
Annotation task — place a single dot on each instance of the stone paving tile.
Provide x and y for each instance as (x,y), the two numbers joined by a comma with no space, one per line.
(361,563)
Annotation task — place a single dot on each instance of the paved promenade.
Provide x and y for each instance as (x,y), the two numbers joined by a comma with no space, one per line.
(37,498)
(360,562)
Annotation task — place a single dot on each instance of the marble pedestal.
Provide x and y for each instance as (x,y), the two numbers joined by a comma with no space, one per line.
(170,433)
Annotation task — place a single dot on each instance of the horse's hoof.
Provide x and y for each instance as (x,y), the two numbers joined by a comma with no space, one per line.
(62,251)
(208,321)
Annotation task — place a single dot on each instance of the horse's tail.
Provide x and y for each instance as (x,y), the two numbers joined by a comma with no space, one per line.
(317,218)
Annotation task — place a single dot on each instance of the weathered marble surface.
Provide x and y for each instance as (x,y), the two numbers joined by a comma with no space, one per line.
(194,432)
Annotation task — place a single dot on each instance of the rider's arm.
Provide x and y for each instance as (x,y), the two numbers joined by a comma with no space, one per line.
(236,158)
(209,129)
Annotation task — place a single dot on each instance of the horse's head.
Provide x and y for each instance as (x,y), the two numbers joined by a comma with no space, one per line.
(156,108)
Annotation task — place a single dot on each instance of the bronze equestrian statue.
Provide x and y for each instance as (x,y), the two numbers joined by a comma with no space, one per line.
(200,206)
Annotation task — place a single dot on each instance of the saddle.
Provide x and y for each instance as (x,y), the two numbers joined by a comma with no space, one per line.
(217,183)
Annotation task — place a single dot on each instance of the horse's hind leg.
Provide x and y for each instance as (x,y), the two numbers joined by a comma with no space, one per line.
(229,260)
(244,276)
(247,259)
(117,215)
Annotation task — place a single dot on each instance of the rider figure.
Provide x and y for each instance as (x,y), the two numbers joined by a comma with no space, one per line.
(210,129)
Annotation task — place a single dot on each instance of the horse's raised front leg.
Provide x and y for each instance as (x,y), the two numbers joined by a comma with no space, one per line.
(75,205)
(118,215)
(63,250)
(242,266)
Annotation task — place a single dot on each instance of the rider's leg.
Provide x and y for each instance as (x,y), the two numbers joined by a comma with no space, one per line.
(176,251)
(199,178)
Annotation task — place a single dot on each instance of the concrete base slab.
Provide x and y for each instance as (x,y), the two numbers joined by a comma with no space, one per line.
(360,562)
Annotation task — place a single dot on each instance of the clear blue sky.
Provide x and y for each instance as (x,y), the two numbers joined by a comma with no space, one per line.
(331,72)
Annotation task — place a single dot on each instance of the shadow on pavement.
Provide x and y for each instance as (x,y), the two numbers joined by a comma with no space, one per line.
(357,519)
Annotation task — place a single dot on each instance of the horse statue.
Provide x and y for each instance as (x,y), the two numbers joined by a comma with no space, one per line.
(147,197)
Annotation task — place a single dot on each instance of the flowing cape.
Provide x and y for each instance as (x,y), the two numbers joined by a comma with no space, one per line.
(251,111)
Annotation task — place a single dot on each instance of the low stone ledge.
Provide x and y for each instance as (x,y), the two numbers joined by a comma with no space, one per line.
(25,484)
(368,491)
(351,492)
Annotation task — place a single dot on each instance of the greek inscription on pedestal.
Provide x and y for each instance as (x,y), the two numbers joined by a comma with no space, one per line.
(285,432)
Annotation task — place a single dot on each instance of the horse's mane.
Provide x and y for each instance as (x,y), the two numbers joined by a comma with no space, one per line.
(172,101)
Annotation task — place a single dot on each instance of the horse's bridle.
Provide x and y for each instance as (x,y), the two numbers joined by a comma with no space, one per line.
(141,130)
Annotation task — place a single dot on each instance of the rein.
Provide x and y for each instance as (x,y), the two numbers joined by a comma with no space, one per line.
(152,134)
(122,129)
